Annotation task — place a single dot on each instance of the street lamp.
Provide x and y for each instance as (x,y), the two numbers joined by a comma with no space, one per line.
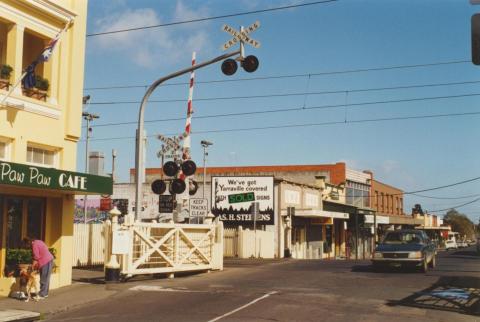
(205,145)
(88,117)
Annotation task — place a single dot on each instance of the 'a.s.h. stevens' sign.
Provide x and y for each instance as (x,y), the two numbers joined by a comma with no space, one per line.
(233,197)
(48,178)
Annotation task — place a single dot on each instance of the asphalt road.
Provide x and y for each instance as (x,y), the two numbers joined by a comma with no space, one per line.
(293,290)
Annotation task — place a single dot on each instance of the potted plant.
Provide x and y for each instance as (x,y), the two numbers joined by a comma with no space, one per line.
(40,89)
(5,72)
(20,258)
(41,83)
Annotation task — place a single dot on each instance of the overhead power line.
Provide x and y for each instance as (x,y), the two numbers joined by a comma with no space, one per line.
(211,18)
(292,94)
(291,109)
(446,186)
(251,129)
(445,198)
(457,206)
(347,71)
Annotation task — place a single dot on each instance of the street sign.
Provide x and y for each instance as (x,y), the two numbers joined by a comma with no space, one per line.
(241,36)
(165,203)
(105,204)
(198,207)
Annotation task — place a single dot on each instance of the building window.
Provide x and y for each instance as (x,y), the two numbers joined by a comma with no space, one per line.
(358,194)
(40,156)
(383,202)
(3,150)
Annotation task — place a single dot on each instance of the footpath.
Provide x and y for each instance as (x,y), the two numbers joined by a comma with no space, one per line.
(87,286)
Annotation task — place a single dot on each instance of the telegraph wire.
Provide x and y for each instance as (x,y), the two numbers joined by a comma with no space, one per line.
(291,109)
(211,18)
(400,118)
(287,95)
(445,198)
(348,71)
(457,206)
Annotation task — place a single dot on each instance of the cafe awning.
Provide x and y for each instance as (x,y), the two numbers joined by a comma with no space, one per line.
(30,176)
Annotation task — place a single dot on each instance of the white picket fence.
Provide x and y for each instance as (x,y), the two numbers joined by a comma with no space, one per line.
(151,248)
(230,242)
(88,245)
(241,243)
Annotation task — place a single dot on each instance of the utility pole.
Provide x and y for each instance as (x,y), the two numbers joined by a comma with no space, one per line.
(114,155)
(205,145)
(88,117)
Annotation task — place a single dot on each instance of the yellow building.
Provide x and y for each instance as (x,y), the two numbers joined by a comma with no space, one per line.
(39,131)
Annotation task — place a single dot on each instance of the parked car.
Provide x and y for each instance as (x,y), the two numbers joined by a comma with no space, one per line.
(462,244)
(450,244)
(405,248)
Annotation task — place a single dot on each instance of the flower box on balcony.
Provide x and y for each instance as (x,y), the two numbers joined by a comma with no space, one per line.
(40,91)
(5,71)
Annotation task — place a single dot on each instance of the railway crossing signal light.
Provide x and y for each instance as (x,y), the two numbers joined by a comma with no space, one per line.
(193,187)
(170,168)
(159,187)
(229,67)
(189,167)
(177,186)
(250,64)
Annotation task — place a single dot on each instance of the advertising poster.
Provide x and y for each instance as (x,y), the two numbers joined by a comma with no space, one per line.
(233,198)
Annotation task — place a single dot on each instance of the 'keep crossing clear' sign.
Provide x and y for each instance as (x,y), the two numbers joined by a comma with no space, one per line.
(198,207)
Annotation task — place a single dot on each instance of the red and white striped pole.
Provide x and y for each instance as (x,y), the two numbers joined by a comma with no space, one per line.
(188,126)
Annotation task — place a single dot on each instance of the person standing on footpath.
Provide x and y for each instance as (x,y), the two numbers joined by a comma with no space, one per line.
(43,261)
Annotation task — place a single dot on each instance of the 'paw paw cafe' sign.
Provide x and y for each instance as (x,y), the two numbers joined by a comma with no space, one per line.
(49,178)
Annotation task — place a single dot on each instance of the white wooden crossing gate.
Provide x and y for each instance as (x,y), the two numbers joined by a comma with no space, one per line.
(152,248)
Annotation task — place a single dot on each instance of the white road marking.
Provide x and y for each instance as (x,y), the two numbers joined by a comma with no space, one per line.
(153,288)
(243,306)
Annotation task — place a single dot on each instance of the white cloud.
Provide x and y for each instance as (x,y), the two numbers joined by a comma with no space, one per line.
(390,166)
(155,47)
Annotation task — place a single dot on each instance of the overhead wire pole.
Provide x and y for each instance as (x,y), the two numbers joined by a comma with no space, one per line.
(139,142)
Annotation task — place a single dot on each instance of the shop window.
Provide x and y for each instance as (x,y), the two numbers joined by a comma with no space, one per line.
(41,156)
(14,222)
(25,217)
(35,218)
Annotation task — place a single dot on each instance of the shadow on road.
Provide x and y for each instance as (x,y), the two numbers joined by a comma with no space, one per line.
(469,253)
(449,293)
(384,270)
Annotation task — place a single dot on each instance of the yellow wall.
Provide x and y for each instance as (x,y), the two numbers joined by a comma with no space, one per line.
(54,124)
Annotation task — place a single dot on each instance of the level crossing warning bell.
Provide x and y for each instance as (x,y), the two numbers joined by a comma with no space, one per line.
(241,37)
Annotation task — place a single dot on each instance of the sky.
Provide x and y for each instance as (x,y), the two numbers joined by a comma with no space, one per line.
(283,114)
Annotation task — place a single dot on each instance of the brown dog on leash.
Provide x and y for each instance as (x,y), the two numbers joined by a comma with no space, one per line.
(30,282)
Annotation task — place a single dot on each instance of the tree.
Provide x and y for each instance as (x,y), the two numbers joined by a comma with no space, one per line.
(460,223)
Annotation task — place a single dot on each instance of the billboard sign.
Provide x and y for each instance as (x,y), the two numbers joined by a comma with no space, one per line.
(233,197)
